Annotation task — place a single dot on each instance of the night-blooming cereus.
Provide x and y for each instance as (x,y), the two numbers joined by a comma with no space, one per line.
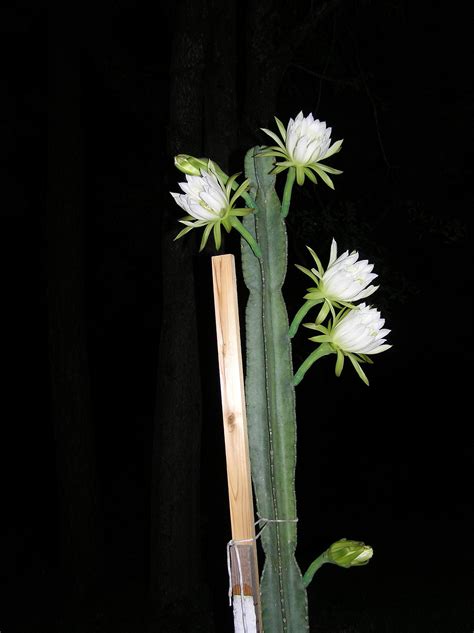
(349,553)
(209,200)
(355,333)
(304,143)
(343,553)
(345,281)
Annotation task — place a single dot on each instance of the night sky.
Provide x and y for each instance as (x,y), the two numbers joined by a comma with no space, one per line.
(390,464)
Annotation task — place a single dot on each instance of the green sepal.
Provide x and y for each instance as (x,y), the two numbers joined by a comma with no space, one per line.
(358,368)
(334,149)
(339,362)
(243,187)
(286,164)
(313,295)
(270,152)
(320,338)
(249,200)
(183,232)
(241,212)
(229,185)
(227,223)
(205,236)
(311,175)
(323,175)
(318,327)
(323,312)
(329,170)
(282,128)
(308,272)
(275,137)
(317,260)
(278,169)
(300,175)
(217,235)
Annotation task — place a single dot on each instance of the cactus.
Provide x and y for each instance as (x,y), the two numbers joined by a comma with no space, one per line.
(271,404)
(355,332)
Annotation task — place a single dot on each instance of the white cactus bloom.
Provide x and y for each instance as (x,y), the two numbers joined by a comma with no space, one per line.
(360,331)
(304,143)
(355,333)
(347,278)
(209,200)
(307,139)
(345,281)
(204,198)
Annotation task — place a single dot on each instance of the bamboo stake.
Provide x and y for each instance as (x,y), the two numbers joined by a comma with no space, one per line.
(245,579)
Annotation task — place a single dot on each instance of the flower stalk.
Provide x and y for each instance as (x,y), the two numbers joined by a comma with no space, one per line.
(319,352)
(290,179)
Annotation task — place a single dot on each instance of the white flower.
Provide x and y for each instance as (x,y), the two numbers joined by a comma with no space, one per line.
(355,333)
(209,201)
(307,139)
(360,331)
(204,197)
(346,278)
(345,281)
(304,143)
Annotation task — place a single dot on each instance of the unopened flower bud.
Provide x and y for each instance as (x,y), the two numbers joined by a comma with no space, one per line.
(349,553)
(190,165)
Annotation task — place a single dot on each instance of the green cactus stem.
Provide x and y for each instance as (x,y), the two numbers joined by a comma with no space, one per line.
(271,404)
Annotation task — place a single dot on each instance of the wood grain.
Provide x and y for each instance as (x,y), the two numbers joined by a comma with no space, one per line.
(235,423)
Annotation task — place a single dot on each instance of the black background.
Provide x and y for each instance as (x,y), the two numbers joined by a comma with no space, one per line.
(390,464)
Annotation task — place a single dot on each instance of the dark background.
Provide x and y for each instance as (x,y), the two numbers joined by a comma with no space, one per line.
(114,502)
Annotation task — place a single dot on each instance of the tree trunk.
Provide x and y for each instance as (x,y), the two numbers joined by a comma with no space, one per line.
(74,436)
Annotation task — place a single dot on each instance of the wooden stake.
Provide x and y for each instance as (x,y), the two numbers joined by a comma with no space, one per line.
(244,555)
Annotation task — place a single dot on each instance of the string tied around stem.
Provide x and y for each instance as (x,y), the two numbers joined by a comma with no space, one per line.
(263,522)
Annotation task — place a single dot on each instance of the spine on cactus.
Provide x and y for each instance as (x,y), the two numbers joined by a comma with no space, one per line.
(271,404)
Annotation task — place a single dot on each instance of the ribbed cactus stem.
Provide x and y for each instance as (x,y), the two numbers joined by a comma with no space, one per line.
(271,404)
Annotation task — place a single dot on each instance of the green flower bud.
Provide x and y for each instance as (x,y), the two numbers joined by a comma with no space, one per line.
(349,553)
(190,165)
